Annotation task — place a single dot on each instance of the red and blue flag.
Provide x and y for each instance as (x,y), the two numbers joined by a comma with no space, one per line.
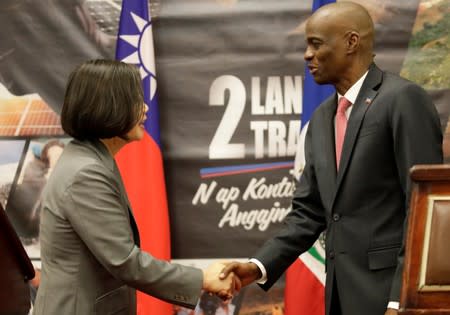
(141,163)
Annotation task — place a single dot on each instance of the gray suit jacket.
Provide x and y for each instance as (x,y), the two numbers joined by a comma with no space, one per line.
(91,263)
(393,126)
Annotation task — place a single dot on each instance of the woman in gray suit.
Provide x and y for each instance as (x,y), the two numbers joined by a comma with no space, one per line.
(91,259)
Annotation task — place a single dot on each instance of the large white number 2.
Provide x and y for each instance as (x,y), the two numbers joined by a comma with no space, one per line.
(220,147)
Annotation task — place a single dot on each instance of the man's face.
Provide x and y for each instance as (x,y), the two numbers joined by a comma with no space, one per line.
(325,51)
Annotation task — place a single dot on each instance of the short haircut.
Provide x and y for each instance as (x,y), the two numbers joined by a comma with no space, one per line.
(103,99)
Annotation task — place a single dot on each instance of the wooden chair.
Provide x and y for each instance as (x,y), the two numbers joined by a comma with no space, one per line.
(426,275)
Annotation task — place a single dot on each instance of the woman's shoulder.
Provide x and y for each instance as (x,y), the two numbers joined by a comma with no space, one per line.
(75,160)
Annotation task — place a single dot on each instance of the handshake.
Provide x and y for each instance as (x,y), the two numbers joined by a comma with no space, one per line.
(224,279)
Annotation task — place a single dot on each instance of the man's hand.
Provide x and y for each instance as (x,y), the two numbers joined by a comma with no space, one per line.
(246,272)
(391,311)
(224,287)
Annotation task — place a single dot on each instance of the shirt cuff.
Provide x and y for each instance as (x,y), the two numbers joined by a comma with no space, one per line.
(393,305)
(261,267)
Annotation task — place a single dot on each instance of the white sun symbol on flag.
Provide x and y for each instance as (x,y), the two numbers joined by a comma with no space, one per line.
(144,55)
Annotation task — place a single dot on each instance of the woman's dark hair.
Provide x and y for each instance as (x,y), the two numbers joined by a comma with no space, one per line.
(103,99)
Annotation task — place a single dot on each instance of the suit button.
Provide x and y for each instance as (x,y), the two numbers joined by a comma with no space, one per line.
(336,217)
(331,255)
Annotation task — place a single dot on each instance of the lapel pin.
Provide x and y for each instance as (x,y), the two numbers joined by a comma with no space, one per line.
(368,101)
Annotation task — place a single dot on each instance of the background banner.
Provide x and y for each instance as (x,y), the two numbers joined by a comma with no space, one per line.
(230,90)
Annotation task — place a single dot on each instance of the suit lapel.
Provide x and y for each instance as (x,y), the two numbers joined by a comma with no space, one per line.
(365,98)
(328,138)
(133,223)
(102,152)
(134,228)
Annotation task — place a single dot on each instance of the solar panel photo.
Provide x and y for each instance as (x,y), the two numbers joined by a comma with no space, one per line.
(28,116)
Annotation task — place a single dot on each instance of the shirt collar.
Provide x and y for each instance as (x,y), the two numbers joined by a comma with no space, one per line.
(353,91)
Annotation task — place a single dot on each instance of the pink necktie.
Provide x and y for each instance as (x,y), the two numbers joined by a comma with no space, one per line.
(341,125)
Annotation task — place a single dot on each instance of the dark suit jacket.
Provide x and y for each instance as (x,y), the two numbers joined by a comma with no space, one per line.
(393,126)
(91,261)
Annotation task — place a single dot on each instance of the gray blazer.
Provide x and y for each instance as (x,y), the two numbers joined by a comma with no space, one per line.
(363,206)
(91,260)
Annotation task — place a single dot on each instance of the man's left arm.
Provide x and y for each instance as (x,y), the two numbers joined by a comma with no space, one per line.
(417,138)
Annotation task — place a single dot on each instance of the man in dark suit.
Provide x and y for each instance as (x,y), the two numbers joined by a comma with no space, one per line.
(361,198)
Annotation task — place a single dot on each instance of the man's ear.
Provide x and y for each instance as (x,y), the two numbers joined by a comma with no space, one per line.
(353,41)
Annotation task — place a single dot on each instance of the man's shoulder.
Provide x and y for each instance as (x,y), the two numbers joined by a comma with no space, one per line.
(326,109)
(395,80)
(328,104)
(400,87)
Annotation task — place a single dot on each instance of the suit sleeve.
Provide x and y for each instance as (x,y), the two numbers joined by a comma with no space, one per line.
(99,215)
(417,139)
(301,227)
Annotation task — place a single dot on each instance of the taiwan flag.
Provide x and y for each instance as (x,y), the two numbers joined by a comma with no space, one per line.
(305,278)
(141,163)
